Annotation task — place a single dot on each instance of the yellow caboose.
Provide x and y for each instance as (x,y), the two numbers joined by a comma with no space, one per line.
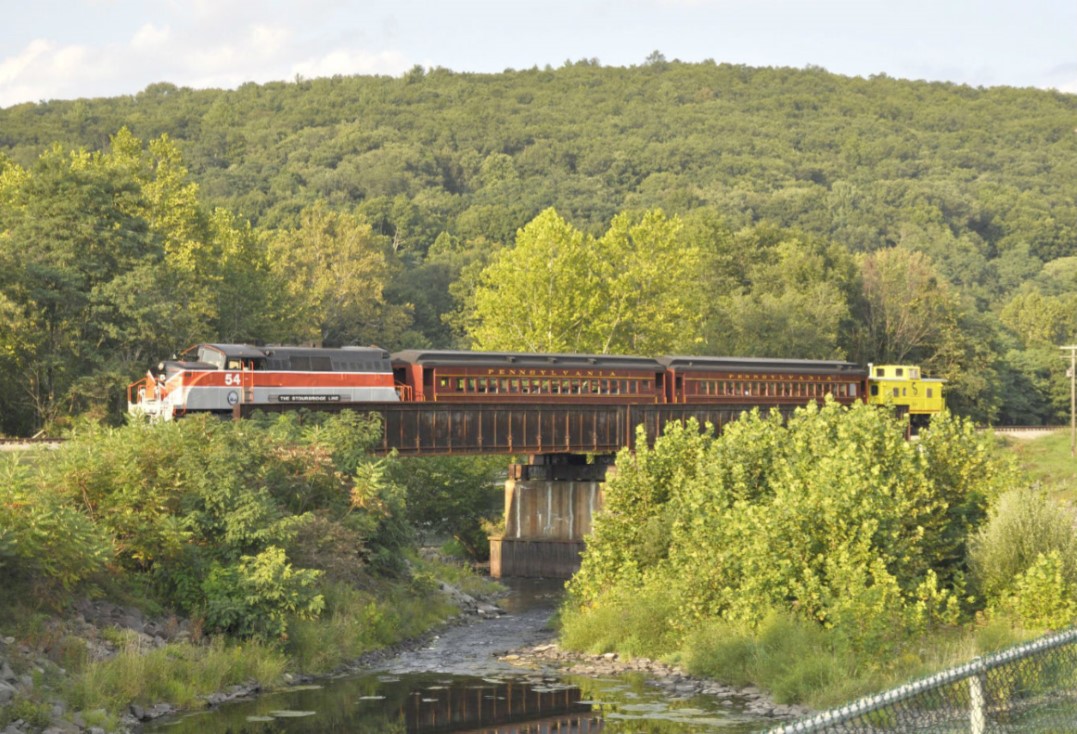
(903,387)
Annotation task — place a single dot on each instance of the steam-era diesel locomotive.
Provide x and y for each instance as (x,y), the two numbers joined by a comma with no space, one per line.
(216,377)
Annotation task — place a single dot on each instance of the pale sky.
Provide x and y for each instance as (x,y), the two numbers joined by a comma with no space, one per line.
(65,49)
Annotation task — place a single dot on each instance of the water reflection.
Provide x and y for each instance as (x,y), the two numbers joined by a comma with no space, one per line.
(429,703)
(472,691)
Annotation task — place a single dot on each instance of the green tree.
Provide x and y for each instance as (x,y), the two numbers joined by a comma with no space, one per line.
(81,270)
(779,293)
(650,301)
(335,270)
(539,295)
(634,290)
(908,308)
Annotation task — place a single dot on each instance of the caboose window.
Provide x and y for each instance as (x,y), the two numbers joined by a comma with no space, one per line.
(930,392)
(874,389)
(897,393)
(852,389)
(898,372)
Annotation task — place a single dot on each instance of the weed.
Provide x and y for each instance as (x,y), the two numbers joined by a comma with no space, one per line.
(179,674)
(36,714)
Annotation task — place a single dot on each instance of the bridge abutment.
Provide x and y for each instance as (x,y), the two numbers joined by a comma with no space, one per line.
(549,507)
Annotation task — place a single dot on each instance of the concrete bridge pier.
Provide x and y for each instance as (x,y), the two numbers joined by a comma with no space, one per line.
(549,505)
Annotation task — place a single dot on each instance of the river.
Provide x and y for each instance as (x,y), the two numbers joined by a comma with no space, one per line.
(456,683)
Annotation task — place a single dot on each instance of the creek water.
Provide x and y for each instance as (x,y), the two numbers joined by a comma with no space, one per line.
(455,683)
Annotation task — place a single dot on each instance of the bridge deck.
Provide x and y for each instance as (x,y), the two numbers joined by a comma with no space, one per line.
(453,428)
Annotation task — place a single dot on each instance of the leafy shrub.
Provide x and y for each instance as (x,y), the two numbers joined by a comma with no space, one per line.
(1042,596)
(831,516)
(255,597)
(179,499)
(42,536)
(452,496)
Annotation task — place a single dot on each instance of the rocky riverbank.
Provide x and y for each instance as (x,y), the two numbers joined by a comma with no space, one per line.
(549,657)
(93,631)
(99,630)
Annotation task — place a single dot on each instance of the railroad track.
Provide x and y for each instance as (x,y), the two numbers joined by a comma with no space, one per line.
(19,444)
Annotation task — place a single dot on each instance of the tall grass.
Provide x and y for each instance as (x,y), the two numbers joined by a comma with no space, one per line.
(177,673)
(357,622)
(635,625)
(1023,525)
(796,660)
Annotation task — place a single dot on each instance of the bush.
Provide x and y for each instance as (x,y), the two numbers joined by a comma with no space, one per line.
(255,597)
(452,496)
(831,516)
(1024,525)
(184,502)
(1042,596)
(42,536)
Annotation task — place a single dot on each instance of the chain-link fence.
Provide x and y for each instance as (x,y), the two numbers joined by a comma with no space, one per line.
(1028,688)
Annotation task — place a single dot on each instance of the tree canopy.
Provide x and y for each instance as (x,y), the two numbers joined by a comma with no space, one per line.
(778,201)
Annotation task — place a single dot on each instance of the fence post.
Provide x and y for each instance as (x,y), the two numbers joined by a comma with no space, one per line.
(977,717)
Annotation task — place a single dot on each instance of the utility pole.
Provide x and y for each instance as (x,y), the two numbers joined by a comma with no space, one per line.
(1072,374)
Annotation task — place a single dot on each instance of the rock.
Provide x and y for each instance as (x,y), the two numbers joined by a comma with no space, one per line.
(158,710)
(7,692)
(61,727)
(7,675)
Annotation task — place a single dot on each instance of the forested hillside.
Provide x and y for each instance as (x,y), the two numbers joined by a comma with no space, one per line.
(875,219)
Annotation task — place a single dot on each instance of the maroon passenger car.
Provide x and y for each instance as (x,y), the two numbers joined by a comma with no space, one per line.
(503,377)
(758,381)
